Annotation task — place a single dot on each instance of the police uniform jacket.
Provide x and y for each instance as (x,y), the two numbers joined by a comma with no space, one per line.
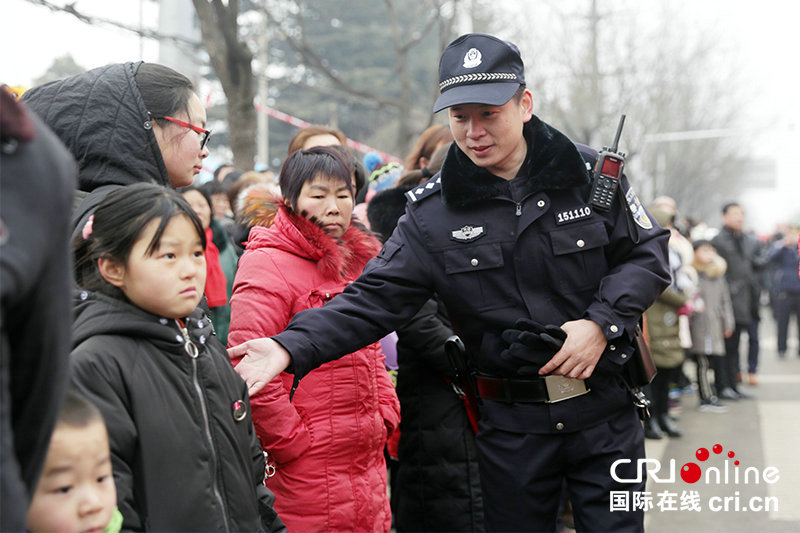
(495,255)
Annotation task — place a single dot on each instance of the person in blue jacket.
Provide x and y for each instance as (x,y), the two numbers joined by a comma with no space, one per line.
(784,258)
(544,290)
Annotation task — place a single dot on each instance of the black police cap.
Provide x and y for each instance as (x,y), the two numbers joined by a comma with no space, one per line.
(479,69)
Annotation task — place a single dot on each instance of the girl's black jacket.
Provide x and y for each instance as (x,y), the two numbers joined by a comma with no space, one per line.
(184,451)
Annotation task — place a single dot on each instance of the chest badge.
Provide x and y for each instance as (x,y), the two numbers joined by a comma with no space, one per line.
(467,233)
(637,210)
(573,215)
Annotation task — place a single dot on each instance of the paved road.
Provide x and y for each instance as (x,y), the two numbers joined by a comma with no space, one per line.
(764,435)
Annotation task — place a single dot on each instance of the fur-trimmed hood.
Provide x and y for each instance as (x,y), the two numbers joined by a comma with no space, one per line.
(258,205)
(339,259)
(713,270)
(553,162)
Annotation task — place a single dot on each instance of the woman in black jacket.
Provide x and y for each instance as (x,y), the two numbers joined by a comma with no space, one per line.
(436,483)
(125,123)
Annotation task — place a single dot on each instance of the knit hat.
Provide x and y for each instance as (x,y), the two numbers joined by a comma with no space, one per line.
(372,160)
(701,242)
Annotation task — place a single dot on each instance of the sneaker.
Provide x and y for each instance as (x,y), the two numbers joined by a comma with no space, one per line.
(752,379)
(743,395)
(728,394)
(652,430)
(709,407)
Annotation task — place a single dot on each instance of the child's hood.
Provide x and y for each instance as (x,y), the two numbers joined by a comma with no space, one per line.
(98,314)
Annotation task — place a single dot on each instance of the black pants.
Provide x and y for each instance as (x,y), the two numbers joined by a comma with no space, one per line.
(732,350)
(705,365)
(787,303)
(522,476)
(659,388)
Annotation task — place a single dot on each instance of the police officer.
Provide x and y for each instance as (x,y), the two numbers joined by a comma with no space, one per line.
(544,290)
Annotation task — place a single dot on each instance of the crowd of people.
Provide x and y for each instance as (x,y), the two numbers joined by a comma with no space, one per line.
(137,417)
(719,280)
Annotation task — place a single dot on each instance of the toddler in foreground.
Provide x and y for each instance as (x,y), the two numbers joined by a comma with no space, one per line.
(76,490)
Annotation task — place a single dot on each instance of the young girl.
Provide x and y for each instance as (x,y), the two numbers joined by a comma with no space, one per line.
(184,452)
(326,438)
(712,322)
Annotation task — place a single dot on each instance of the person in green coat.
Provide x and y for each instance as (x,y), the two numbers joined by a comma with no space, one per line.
(665,344)
(221,261)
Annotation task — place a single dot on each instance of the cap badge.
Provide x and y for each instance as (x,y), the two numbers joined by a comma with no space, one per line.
(473,58)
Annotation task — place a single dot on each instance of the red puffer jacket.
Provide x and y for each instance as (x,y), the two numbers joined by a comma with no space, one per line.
(327,443)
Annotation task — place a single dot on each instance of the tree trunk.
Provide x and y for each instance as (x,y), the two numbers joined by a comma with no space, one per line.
(232,62)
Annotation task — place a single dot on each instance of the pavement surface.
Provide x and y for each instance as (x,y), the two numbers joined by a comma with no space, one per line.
(762,492)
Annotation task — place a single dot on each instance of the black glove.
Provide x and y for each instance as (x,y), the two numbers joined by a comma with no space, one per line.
(530,346)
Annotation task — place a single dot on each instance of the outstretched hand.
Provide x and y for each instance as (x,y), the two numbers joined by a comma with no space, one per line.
(263,360)
(582,349)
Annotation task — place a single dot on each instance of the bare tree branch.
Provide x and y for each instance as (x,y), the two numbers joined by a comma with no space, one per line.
(100,21)
(301,46)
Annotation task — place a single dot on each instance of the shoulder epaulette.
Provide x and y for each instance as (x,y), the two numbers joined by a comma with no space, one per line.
(423,191)
(589,155)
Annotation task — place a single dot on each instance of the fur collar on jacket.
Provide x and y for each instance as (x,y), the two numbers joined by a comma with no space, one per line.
(275,225)
(713,270)
(553,162)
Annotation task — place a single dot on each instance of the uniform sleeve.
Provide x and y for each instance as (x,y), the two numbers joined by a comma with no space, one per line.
(638,271)
(260,307)
(391,289)
(425,335)
(96,376)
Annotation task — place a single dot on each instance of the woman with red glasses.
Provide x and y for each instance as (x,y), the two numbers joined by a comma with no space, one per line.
(125,123)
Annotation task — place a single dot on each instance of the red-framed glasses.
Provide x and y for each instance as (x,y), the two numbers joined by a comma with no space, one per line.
(204,134)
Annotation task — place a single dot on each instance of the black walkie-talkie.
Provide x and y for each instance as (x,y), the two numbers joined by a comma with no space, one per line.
(607,173)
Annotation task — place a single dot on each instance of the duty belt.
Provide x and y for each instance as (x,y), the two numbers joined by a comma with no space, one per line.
(547,389)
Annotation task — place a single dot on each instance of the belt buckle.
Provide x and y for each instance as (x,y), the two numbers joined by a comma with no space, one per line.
(560,388)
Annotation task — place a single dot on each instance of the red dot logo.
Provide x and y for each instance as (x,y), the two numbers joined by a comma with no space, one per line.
(690,472)
(701,454)
(717,448)
(731,454)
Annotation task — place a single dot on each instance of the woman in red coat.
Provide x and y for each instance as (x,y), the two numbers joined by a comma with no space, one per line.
(325,438)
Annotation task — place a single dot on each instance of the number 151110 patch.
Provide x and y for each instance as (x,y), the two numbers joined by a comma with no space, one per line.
(571,215)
